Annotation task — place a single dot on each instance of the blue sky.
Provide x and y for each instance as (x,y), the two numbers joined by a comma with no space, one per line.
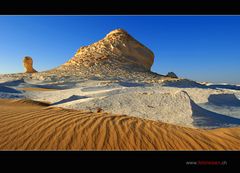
(202,48)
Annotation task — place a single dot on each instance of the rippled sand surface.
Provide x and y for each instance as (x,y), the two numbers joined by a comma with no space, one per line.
(29,125)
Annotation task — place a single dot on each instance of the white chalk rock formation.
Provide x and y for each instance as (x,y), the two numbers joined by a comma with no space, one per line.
(28,65)
(118,48)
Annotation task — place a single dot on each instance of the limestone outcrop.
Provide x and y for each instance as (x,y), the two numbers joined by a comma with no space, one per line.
(118,48)
(28,65)
(172,75)
(118,56)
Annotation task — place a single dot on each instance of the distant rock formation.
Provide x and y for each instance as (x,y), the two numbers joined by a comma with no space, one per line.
(28,65)
(117,48)
(172,75)
(118,56)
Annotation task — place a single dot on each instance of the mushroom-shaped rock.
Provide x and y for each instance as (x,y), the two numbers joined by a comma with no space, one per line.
(28,65)
(172,75)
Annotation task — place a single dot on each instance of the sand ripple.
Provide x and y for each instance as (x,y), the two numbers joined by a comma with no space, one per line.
(26,125)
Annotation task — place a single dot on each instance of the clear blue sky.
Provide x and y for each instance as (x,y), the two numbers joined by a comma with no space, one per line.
(202,48)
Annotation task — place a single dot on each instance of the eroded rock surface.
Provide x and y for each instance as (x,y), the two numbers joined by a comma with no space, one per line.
(28,65)
(117,48)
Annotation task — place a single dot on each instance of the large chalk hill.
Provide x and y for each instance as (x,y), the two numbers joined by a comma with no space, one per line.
(117,55)
(118,48)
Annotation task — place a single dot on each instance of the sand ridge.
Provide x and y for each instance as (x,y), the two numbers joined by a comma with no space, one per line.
(26,125)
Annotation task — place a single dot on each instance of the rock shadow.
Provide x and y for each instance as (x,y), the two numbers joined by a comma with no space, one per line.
(224,100)
(131,84)
(13,83)
(8,90)
(219,86)
(62,86)
(69,99)
(206,119)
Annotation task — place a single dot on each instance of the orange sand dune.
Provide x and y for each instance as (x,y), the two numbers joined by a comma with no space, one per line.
(29,125)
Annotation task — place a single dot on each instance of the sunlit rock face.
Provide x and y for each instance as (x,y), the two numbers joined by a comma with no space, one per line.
(117,48)
(117,56)
(28,65)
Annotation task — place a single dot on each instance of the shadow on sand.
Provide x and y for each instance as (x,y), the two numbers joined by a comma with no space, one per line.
(61,86)
(8,90)
(185,83)
(69,99)
(207,119)
(219,86)
(131,84)
(13,83)
(224,100)
(23,83)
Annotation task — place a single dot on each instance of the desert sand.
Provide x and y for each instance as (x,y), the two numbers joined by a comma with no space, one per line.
(29,125)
